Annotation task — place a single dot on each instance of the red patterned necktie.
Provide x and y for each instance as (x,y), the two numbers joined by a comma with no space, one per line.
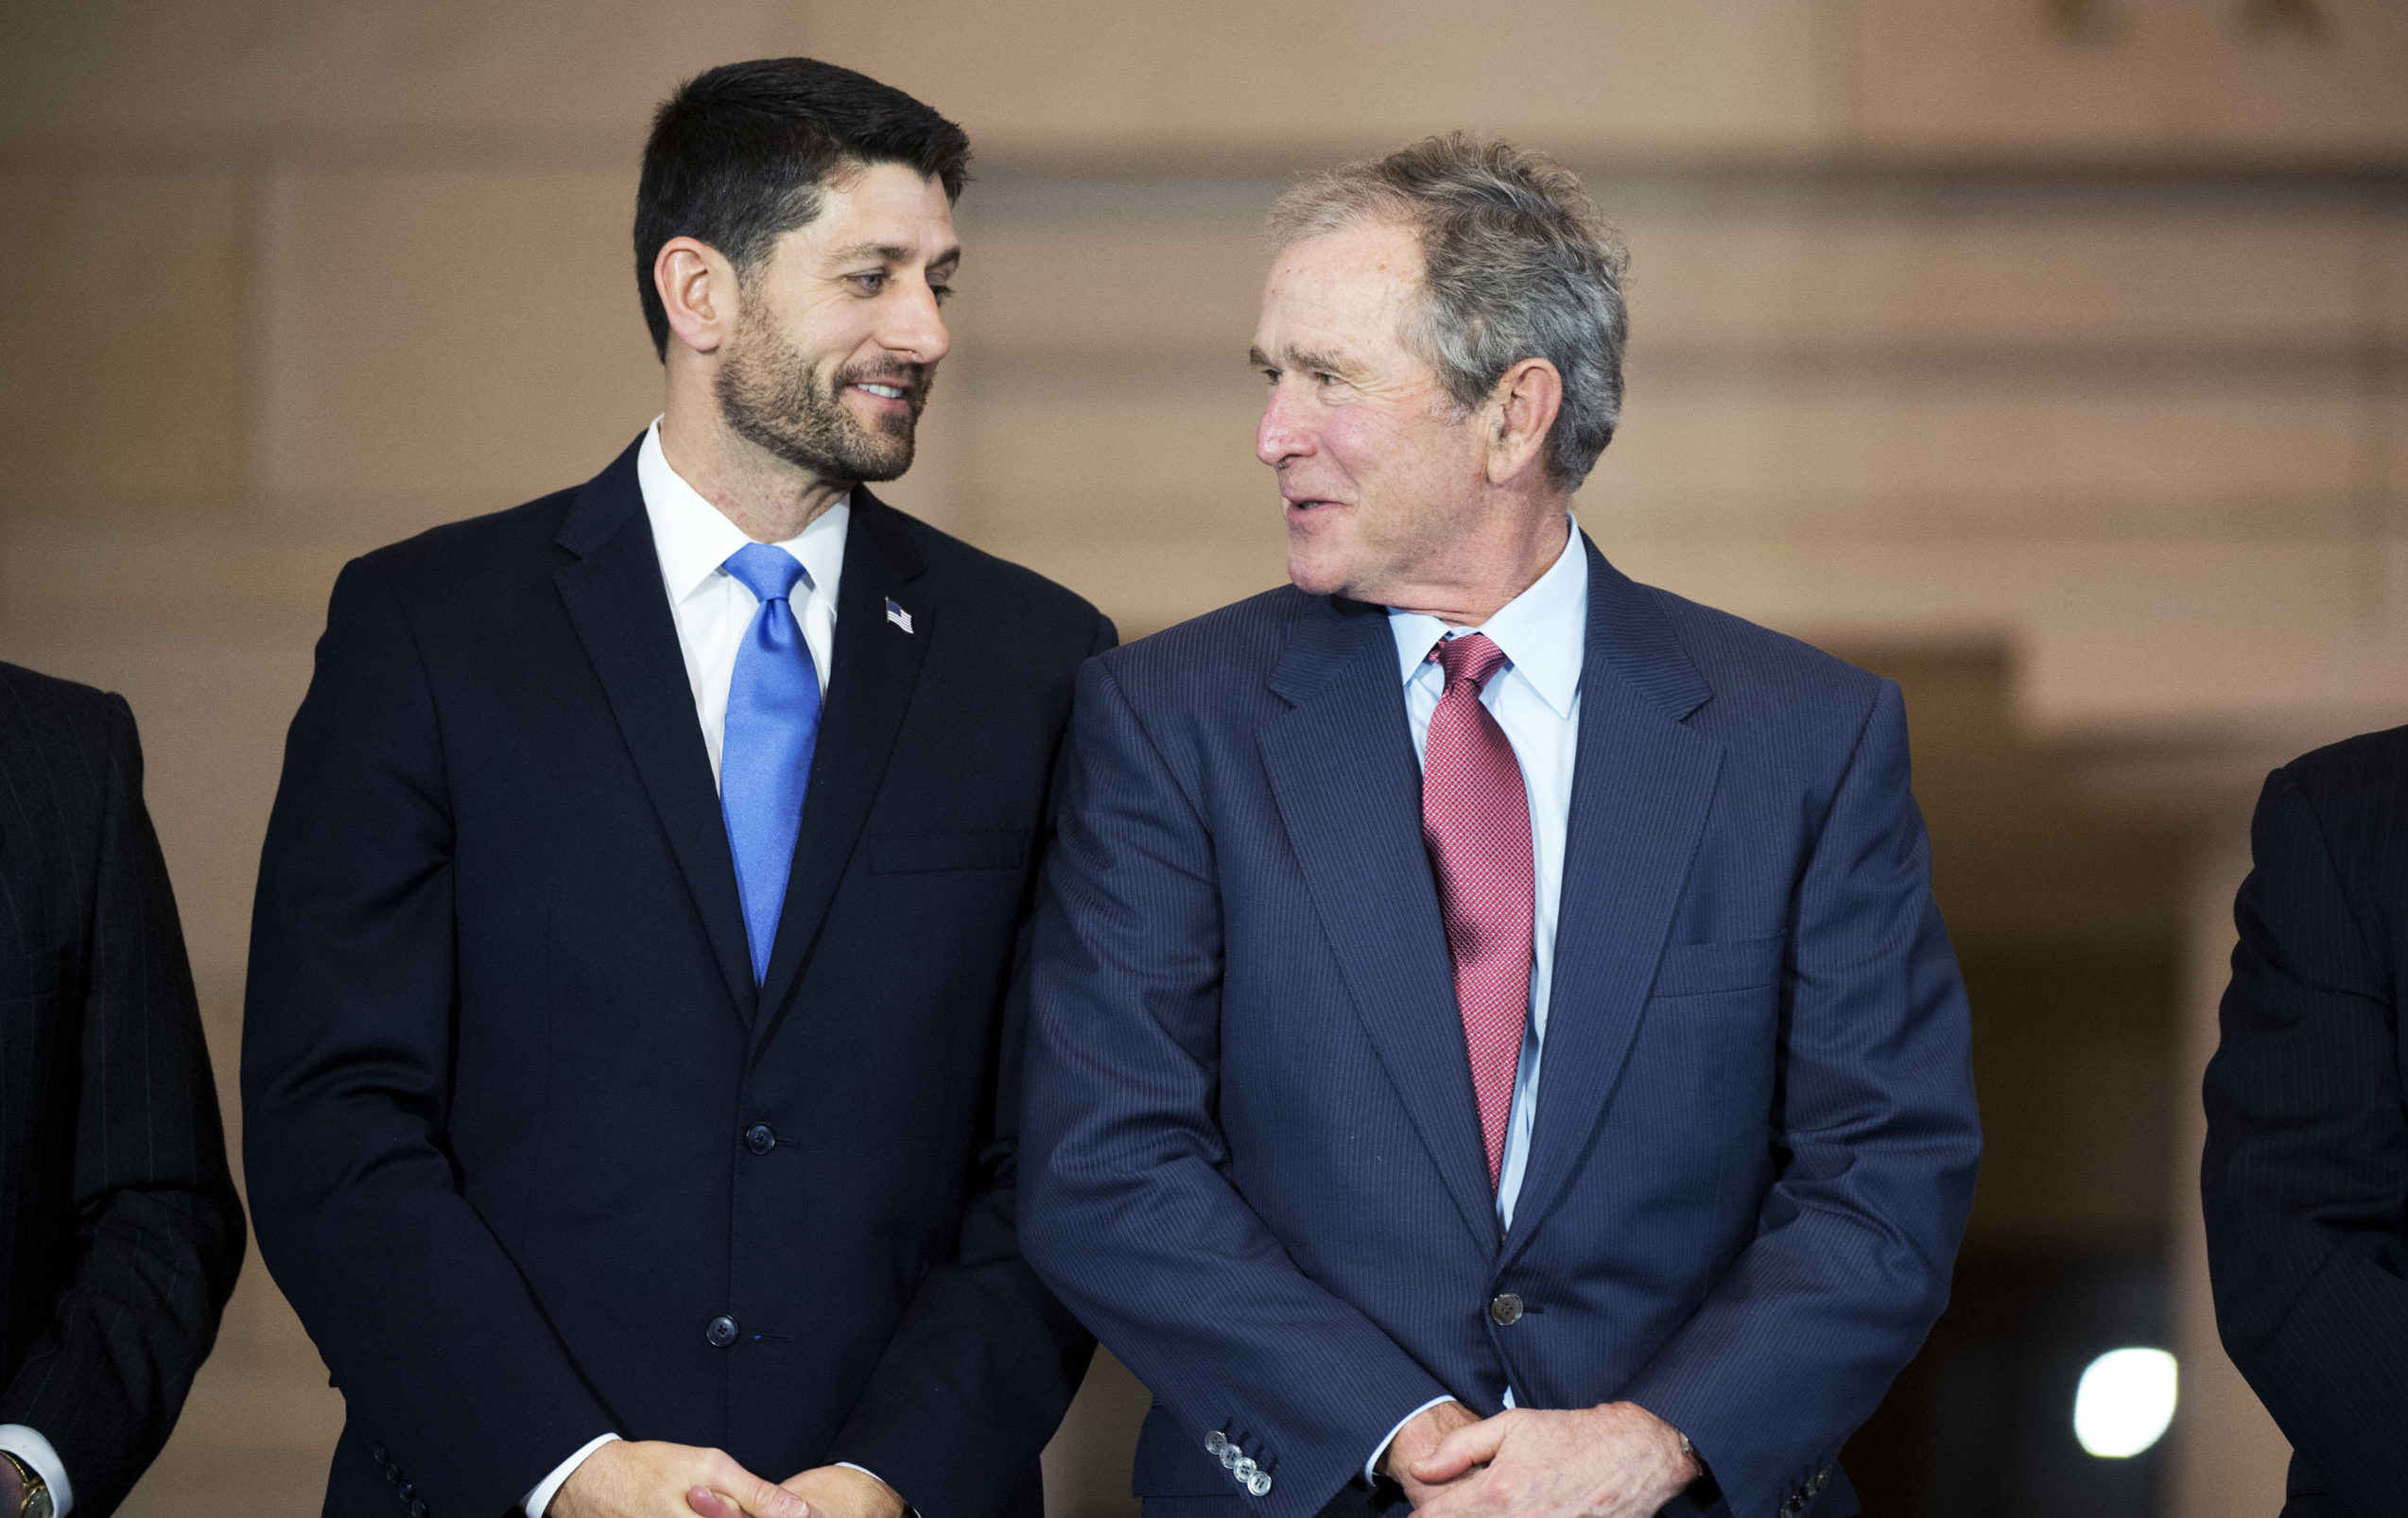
(1475,820)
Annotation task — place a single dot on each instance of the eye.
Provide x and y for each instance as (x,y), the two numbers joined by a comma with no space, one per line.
(872,281)
(1322,376)
(942,292)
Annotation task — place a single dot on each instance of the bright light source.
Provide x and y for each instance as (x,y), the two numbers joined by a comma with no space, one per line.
(2124,1401)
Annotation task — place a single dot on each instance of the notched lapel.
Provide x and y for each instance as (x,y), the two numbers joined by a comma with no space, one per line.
(876,668)
(1641,789)
(1341,767)
(619,607)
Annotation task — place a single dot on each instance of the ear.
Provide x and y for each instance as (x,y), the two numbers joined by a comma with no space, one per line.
(1521,413)
(698,288)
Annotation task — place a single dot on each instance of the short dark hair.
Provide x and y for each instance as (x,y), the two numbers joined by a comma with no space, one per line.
(738,155)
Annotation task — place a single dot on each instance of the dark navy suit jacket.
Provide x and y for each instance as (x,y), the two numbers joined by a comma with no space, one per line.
(2306,1171)
(529,1152)
(1254,1164)
(120,1236)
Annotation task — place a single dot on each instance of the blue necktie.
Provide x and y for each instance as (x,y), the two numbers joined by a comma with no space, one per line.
(772,725)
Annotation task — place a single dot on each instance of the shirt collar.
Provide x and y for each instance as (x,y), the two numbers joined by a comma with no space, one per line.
(694,538)
(1544,631)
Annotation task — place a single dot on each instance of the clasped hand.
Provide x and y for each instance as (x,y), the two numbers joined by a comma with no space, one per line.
(1617,1461)
(652,1479)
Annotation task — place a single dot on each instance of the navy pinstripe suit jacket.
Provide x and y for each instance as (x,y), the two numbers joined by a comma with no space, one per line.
(2306,1171)
(1253,1161)
(120,1235)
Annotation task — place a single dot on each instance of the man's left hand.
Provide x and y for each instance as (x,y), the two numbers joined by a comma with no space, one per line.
(1614,1461)
(833,1492)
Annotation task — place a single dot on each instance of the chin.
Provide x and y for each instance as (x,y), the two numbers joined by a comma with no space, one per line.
(1316,576)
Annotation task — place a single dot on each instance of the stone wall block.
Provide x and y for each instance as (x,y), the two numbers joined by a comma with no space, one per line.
(121,316)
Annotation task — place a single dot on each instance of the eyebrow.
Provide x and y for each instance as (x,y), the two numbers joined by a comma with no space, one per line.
(1302,358)
(891,253)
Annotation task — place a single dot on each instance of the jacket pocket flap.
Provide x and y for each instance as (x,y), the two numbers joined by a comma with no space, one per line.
(1741,964)
(901,854)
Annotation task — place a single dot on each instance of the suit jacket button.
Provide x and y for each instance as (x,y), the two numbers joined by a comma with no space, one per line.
(760,1138)
(1505,1309)
(721,1332)
(1259,1483)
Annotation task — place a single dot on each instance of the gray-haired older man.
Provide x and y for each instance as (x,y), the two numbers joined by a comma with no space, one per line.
(1494,1046)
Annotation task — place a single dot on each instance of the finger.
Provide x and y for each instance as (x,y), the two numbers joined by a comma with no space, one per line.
(1472,1444)
(710,1504)
(767,1499)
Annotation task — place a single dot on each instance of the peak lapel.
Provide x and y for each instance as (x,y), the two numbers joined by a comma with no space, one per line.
(620,609)
(877,665)
(1341,767)
(1641,789)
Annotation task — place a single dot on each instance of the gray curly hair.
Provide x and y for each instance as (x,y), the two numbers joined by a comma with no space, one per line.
(1517,263)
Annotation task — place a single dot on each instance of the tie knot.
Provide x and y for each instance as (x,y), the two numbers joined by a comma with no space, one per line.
(1471,657)
(768,571)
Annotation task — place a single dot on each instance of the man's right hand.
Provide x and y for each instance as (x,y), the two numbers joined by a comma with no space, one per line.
(649,1480)
(1416,1441)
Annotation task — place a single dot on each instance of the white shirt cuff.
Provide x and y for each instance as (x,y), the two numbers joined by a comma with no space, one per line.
(1371,1467)
(35,1451)
(546,1489)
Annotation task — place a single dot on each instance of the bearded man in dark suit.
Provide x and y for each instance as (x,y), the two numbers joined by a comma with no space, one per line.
(631,1053)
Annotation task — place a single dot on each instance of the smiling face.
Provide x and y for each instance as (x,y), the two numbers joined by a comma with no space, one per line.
(839,333)
(1383,474)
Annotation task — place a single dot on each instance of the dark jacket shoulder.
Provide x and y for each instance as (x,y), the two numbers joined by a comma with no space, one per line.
(2357,792)
(50,720)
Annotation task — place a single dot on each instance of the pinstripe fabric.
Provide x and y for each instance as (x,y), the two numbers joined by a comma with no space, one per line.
(2305,1177)
(120,1235)
(1253,1155)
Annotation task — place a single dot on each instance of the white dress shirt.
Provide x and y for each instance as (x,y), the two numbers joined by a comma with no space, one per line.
(30,1446)
(1536,698)
(713,609)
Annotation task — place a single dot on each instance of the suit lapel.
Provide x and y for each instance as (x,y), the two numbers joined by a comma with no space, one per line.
(1641,787)
(877,665)
(618,605)
(1340,763)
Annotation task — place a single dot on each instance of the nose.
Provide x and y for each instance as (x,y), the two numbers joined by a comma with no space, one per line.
(913,327)
(1282,434)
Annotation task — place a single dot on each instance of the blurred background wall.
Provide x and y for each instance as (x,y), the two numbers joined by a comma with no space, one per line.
(2044,355)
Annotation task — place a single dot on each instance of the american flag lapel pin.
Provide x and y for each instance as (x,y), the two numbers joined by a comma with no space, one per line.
(896,615)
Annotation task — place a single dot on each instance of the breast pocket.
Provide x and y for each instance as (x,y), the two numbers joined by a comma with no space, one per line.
(912,854)
(1705,968)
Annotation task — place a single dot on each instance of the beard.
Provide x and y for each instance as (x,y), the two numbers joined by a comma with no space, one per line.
(773,398)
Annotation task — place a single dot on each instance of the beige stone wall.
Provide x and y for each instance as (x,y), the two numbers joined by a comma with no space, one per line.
(2072,328)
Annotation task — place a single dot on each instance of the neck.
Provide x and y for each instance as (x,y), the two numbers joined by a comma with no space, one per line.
(1484,578)
(769,499)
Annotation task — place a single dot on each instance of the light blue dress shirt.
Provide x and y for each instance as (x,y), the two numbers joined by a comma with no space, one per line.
(1535,700)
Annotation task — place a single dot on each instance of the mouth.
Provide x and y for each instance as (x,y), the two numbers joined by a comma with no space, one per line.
(1301,507)
(883,393)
